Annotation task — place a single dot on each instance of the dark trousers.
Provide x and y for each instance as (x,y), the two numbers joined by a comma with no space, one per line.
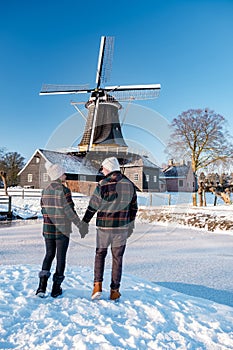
(117,240)
(56,247)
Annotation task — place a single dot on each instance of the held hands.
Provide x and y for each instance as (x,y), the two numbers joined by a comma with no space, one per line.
(83,229)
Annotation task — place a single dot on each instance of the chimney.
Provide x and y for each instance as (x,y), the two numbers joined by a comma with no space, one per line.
(171,162)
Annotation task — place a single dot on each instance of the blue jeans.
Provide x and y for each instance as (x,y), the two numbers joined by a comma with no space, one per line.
(55,247)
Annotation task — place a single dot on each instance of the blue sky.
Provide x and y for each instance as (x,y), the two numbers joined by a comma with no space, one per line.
(186,46)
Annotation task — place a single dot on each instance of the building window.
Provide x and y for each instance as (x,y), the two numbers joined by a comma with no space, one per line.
(181,183)
(147,178)
(136,177)
(82,178)
(155,178)
(29,177)
(45,177)
(37,160)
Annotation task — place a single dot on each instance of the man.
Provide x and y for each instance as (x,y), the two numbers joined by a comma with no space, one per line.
(58,214)
(115,202)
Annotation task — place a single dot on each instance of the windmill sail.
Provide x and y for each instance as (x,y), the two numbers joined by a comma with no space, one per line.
(134,92)
(52,89)
(105,60)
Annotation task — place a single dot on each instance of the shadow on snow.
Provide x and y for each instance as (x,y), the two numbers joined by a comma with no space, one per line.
(218,296)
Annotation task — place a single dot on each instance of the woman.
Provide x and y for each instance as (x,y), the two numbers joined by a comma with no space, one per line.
(58,214)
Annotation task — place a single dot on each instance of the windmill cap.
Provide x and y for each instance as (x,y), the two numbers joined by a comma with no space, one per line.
(111,164)
(55,171)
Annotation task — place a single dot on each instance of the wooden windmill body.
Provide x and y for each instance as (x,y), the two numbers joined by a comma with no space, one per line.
(107,131)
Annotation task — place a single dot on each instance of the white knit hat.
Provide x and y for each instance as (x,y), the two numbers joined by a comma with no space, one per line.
(111,164)
(55,171)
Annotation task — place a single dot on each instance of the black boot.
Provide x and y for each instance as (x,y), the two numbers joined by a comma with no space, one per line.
(42,287)
(56,290)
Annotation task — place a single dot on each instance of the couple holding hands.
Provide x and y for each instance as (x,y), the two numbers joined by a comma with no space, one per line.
(115,202)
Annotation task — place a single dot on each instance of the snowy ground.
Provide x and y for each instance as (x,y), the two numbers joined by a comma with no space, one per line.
(147,317)
(177,290)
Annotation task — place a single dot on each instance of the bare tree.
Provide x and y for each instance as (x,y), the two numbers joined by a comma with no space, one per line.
(202,136)
(11,164)
(3,177)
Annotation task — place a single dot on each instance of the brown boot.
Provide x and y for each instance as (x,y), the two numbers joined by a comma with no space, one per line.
(97,291)
(115,294)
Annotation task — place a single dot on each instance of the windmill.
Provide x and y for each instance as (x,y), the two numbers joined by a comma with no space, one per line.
(102,124)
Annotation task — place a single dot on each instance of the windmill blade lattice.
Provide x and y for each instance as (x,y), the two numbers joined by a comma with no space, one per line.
(104,66)
(133,92)
(53,89)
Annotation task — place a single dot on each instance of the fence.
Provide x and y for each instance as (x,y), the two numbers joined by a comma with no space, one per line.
(22,192)
(153,199)
(144,198)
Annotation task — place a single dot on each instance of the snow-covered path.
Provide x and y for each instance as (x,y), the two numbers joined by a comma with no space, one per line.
(194,262)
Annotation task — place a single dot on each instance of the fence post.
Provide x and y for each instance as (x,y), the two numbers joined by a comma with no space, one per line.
(9,215)
(151,200)
(169,199)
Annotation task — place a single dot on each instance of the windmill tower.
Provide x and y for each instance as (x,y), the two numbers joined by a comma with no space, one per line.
(107,131)
(103,127)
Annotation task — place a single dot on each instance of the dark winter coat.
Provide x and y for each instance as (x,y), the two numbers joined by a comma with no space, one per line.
(58,210)
(114,200)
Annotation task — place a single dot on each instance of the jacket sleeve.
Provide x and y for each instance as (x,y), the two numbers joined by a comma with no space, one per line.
(94,205)
(43,211)
(133,207)
(69,208)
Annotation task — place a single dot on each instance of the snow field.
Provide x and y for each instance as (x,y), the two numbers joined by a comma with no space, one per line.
(147,316)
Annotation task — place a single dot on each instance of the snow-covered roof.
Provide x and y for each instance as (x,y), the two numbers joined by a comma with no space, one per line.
(71,163)
(141,161)
(176,171)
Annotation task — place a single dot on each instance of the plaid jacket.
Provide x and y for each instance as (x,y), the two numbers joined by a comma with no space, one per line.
(114,200)
(58,210)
